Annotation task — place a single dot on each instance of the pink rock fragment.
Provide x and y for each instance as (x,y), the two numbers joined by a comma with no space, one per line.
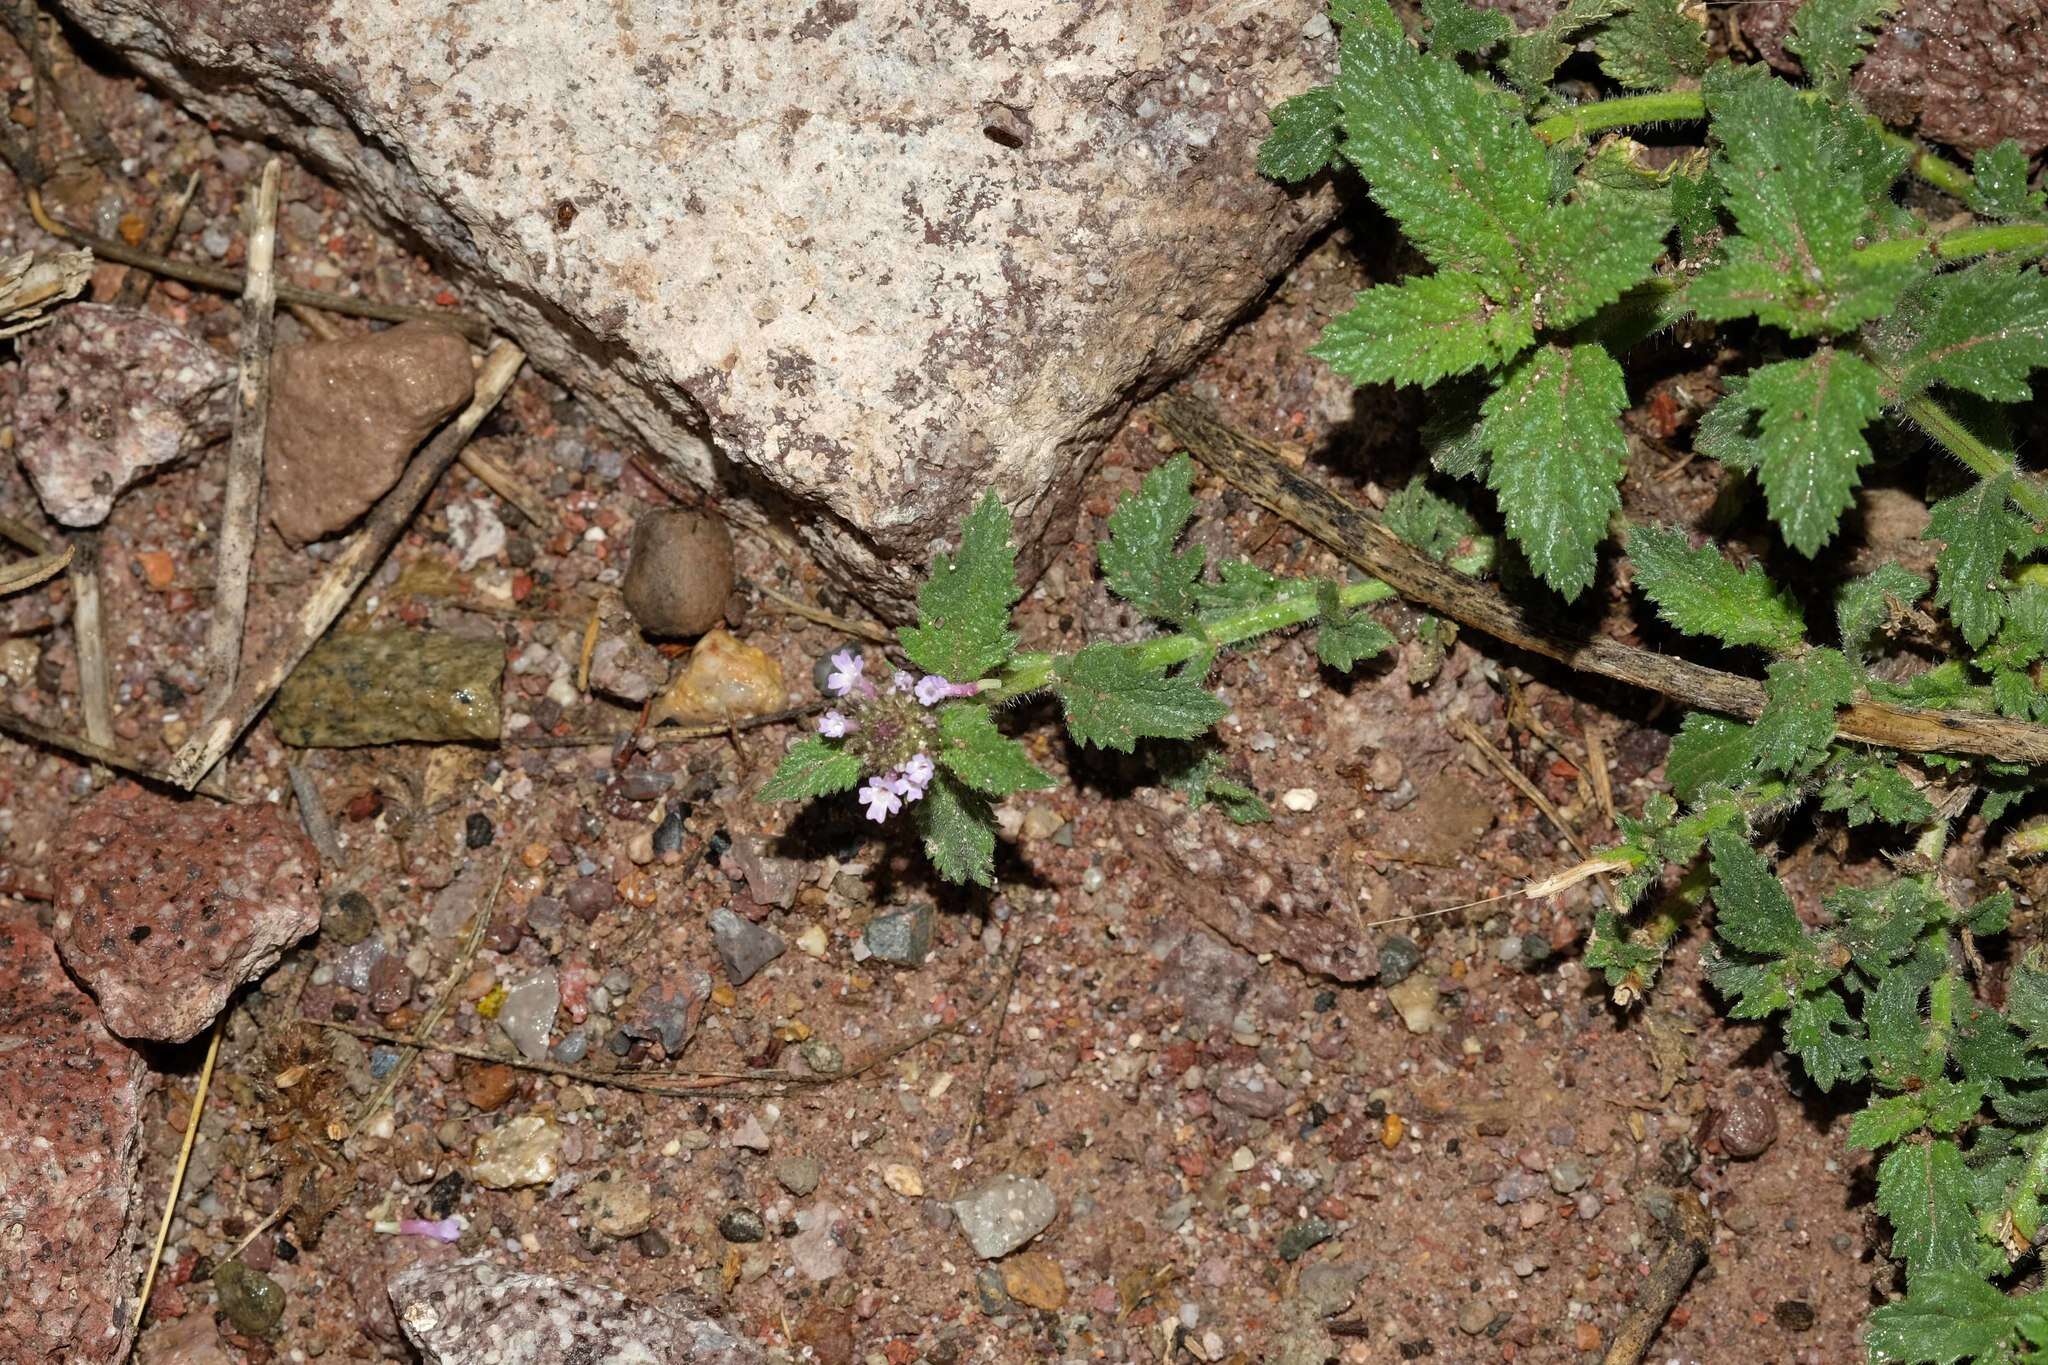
(108,394)
(165,907)
(71,1100)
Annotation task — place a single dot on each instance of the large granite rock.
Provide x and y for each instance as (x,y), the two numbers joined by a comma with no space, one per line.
(71,1100)
(855,259)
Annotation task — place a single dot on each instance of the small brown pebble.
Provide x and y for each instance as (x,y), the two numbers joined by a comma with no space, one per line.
(680,572)
(1748,1125)
(390,984)
(1794,1315)
(488,1087)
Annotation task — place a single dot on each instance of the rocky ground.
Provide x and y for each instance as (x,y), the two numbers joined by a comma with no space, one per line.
(1178,1090)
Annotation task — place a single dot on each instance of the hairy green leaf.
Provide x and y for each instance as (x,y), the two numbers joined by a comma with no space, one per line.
(963,629)
(1752,911)
(1709,751)
(1868,789)
(1139,561)
(1304,136)
(1456,28)
(983,757)
(811,768)
(1111,701)
(959,833)
(1553,431)
(1830,37)
(1728,432)
(1346,635)
(1801,697)
(1951,1316)
(1426,519)
(1453,165)
(1451,428)
(1998,184)
(1533,57)
(1803,182)
(1983,330)
(1587,254)
(1811,454)
(1978,530)
(1624,962)
(1652,45)
(1376,15)
(1701,593)
(1922,1187)
(1240,583)
(1198,772)
(1819,1030)
(1421,330)
(1869,604)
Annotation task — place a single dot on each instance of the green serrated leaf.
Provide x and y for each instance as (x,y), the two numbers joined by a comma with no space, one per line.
(983,757)
(1588,254)
(811,768)
(959,832)
(1418,128)
(1728,431)
(1421,330)
(1696,205)
(1451,428)
(1831,37)
(1376,15)
(1554,434)
(1344,635)
(1983,330)
(1801,697)
(1985,1048)
(1811,453)
(1199,773)
(1805,184)
(1139,561)
(1752,911)
(1624,962)
(1532,58)
(963,629)
(1753,989)
(1885,1120)
(1455,28)
(1978,530)
(1952,1316)
(1424,518)
(1239,584)
(1869,604)
(1880,925)
(1869,789)
(1701,593)
(1921,1188)
(1819,1030)
(1112,701)
(1709,751)
(1304,136)
(1653,44)
(1896,1030)
(2023,633)
(1998,184)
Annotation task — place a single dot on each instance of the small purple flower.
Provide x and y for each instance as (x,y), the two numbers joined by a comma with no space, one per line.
(880,798)
(832,725)
(441,1230)
(901,681)
(847,669)
(933,689)
(919,770)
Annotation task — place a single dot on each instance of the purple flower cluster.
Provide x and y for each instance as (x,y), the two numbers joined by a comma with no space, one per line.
(888,729)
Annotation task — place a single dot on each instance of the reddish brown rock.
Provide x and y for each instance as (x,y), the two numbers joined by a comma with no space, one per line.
(107,395)
(70,1115)
(346,415)
(164,907)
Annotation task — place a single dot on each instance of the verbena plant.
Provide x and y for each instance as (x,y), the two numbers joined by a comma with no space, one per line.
(1555,248)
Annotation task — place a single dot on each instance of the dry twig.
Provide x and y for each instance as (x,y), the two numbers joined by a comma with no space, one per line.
(163,1228)
(865,630)
(242,504)
(170,213)
(28,573)
(347,573)
(1256,467)
(29,731)
(471,325)
(1692,1236)
(89,636)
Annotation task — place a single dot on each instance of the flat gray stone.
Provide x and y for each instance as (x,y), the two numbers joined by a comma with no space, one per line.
(1003,1214)
(472,1312)
(903,937)
(852,262)
(527,1013)
(743,946)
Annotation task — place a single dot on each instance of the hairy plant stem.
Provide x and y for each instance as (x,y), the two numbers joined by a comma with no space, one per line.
(1984,460)
(1684,106)
(1030,672)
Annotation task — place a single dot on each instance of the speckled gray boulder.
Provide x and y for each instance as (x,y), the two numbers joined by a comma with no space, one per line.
(854,262)
(475,1313)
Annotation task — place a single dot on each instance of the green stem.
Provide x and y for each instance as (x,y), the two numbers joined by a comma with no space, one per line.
(1683,106)
(1957,246)
(1988,463)
(1031,672)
